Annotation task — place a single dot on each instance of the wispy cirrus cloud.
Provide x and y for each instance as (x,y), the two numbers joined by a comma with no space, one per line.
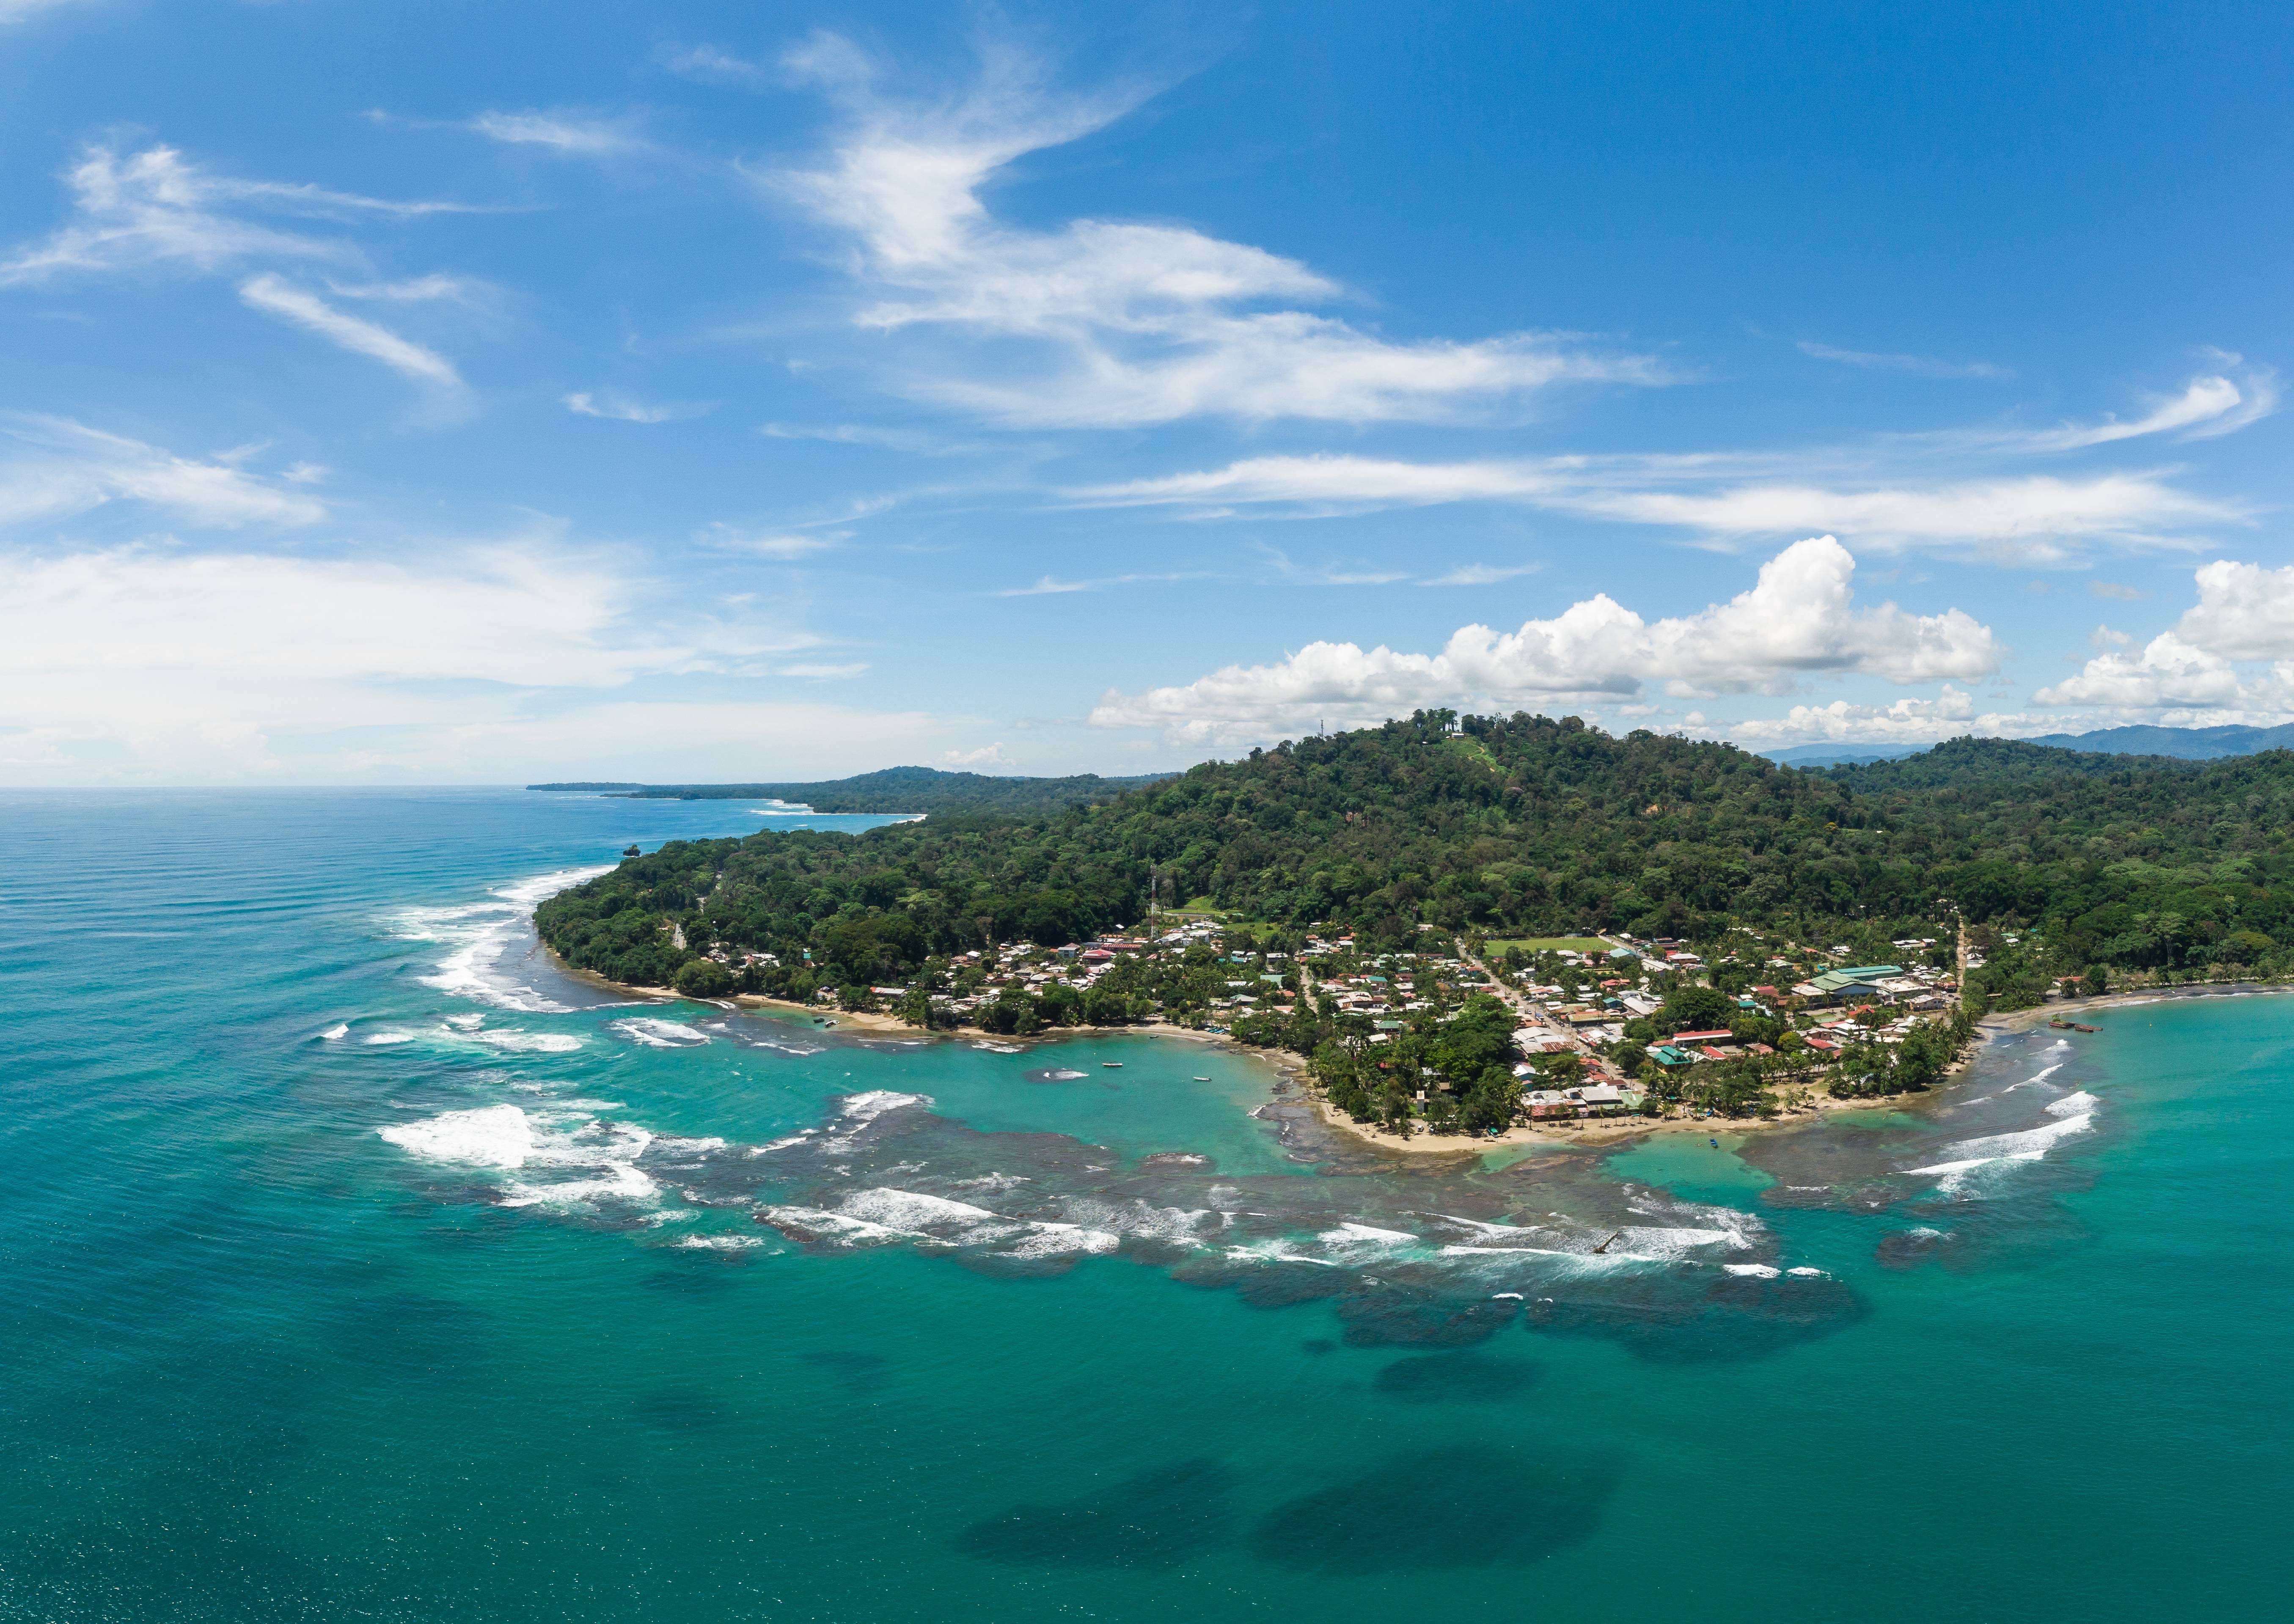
(275,295)
(1912,366)
(1724,498)
(1105,323)
(572,135)
(53,467)
(1799,620)
(155,208)
(713,64)
(607,404)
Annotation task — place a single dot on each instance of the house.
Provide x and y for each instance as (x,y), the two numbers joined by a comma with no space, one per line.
(1720,1039)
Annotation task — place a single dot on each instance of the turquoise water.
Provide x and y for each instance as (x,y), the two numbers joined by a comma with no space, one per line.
(259,1360)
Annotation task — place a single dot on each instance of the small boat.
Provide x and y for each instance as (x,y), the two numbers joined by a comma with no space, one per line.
(1202,1079)
(1713,1142)
(1111,1064)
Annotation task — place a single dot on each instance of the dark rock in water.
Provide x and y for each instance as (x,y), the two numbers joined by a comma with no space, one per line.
(1388,1317)
(1465,1508)
(1736,1317)
(681,1412)
(1455,1379)
(1156,1518)
(1907,1248)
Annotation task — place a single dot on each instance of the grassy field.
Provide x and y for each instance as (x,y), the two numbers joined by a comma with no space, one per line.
(1552,944)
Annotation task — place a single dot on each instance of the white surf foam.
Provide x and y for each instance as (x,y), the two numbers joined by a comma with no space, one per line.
(529,1043)
(1759,1271)
(495,1136)
(2073,1114)
(337,1032)
(390,1037)
(657,1034)
(477,935)
(601,1156)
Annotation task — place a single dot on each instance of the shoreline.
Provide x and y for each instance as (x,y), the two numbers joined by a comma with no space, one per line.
(2011,1022)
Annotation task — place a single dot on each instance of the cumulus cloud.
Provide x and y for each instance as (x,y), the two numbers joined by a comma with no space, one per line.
(1797,621)
(1122,322)
(276,296)
(1727,497)
(53,467)
(155,208)
(2205,661)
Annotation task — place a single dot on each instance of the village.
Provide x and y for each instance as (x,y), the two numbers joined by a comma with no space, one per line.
(1605,1025)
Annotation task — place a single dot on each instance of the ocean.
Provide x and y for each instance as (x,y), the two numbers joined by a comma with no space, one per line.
(358,1265)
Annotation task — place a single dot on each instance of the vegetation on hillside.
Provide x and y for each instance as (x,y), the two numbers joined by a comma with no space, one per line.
(1519,826)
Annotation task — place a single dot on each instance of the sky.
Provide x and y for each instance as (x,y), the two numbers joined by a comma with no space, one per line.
(420,393)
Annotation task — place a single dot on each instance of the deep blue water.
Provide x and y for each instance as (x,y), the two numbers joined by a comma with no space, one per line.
(478,1320)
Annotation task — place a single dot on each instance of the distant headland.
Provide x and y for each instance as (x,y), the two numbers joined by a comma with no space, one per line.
(895,789)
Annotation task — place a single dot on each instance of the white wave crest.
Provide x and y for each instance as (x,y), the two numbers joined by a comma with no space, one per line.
(336,1032)
(601,1156)
(657,1034)
(477,935)
(529,1043)
(2075,1115)
(496,1136)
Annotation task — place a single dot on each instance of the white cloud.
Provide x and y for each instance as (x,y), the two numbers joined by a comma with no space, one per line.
(1480,574)
(58,467)
(605,403)
(510,660)
(275,297)
(826,673)
(2035,515)
(711,63)
(153,207)
(437,287)
(2244,616)
(1797,621)
(986,755)
(20,10)
(723,537)
(1123,323)
(1913,722)
(1916,366)
(572,134)
(2208,406)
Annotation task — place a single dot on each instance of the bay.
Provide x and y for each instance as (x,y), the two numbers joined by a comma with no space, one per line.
(286,1336)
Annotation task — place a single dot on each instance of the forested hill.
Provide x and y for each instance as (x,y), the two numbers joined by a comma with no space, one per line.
(1517,826)
(897,789)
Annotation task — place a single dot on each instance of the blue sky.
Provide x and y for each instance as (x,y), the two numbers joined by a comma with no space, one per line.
(427,393)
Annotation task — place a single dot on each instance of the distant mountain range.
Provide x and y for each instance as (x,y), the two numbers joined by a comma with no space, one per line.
(896,788)
(2183,743)
(2190,743)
